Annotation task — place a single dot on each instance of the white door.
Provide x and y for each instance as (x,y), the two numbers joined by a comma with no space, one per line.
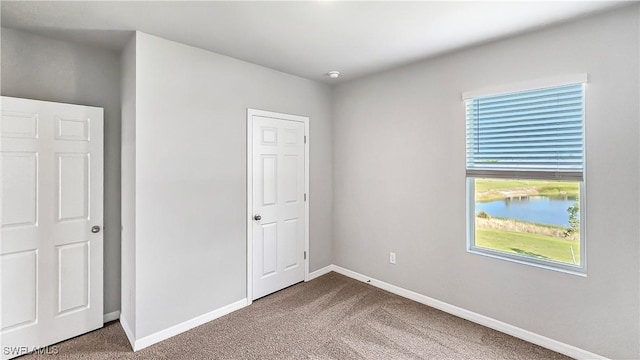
(278,215)
(51,238)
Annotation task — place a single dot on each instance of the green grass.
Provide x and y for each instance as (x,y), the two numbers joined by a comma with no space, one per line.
(534,245)
(496,189)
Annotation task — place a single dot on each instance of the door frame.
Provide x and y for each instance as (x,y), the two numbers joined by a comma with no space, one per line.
(279,116)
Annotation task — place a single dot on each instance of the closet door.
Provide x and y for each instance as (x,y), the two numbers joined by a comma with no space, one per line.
(51,229)
(279,219)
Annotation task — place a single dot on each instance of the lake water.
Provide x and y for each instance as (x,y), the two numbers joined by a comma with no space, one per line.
(538,209)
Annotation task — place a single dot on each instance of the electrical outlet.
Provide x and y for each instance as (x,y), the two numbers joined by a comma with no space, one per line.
(392,258)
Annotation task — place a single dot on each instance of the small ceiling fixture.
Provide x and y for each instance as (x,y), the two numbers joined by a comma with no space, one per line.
(334,74)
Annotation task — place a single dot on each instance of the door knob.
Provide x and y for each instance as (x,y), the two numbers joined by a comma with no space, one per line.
(257,217)
(95,229)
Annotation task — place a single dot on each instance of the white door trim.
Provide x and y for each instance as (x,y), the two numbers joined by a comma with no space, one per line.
(269,114)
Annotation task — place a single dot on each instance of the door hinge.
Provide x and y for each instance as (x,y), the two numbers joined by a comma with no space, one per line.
(305,197)
(305,139)
(305,255)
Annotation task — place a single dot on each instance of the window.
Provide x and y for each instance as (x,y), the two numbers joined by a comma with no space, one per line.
(525,176)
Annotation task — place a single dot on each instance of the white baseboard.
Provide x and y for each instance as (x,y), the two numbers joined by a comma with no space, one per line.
(114,315)
(149,340)
(128,331)
(520,333)
(325,270)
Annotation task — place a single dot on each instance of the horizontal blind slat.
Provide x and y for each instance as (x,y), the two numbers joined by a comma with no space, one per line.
(532,93)
(515,116)
(540,105)
(529,125)
(526,103)
(501,147)
(533,174)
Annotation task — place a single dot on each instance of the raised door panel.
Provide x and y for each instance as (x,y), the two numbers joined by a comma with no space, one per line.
(73,186)
(19,125)
(19,189)
(72,128)
(269,180)
(269,249)
(269,135)
(289,178)
(19,290)
(290,244)
(73,277)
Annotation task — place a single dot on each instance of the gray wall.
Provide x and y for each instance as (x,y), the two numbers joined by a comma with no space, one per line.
(399,183)
(398,174)
(36,67)
(190,154)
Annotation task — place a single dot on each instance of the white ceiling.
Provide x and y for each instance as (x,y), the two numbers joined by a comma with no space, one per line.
(307,39)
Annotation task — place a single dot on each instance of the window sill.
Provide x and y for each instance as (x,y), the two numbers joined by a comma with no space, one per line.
(567,269)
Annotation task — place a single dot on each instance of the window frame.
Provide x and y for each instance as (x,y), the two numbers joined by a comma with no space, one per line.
(580,270)
(522,259)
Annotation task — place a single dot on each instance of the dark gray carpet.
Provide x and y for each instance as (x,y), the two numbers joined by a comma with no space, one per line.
(331,317)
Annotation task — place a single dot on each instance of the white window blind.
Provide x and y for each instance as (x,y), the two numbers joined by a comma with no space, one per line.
(535,133)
